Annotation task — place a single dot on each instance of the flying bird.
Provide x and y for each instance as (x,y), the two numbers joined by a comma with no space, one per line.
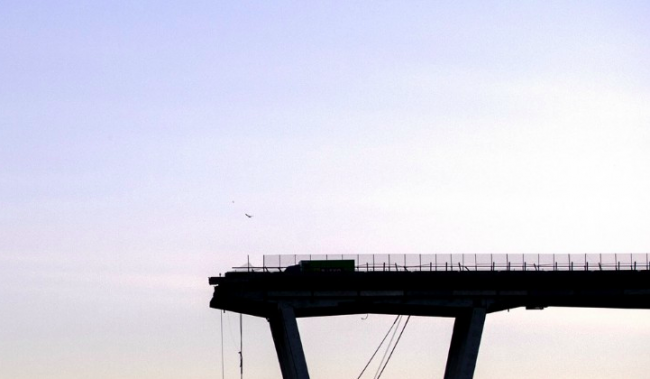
(249,216)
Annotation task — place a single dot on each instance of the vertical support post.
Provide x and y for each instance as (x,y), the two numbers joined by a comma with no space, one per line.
(288,346)
(465,342)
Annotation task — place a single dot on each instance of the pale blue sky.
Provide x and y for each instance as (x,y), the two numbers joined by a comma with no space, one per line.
(127,130)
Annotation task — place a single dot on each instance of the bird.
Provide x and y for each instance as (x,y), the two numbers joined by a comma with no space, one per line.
(249,216)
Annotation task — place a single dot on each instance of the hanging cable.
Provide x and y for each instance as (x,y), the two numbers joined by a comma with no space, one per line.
(394,346)
(241,345)
(390,342)
(231,332)
(378,347)
(223,371)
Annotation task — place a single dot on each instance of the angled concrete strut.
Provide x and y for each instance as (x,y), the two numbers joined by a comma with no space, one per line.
(286,337)
(465,342)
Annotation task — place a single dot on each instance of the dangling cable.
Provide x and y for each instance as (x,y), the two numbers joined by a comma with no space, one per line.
(378,347)
(241,345)
(223,371)
(390,342)
(394,346)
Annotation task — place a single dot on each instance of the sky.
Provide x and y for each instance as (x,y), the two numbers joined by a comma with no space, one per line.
(135,136)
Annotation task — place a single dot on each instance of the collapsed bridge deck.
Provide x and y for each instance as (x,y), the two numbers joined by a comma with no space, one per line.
(427,293)
(467,293)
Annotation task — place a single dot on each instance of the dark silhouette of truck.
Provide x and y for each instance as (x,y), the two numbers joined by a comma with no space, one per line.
(340,265)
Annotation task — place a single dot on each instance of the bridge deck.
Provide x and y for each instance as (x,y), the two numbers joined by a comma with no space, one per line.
(465,289)
(440,293)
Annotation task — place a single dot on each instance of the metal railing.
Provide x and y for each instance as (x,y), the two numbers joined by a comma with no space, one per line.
(464,262)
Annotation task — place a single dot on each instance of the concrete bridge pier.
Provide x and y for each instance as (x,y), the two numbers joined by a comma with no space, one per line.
(288,346)
(465,342)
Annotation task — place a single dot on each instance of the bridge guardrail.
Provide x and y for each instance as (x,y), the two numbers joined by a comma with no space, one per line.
(465,262)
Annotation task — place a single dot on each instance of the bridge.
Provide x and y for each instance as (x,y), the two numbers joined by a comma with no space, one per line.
(465,287)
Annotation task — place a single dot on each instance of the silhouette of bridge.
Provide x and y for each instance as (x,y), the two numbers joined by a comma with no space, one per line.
(465,287)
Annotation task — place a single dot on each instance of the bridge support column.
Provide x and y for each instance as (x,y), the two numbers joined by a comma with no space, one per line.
(465,342)
(286,337)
